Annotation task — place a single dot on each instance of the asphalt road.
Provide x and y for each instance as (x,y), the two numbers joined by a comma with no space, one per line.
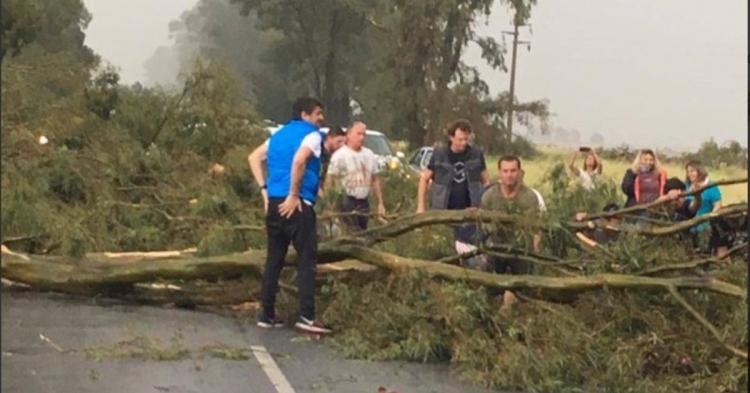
(45,338)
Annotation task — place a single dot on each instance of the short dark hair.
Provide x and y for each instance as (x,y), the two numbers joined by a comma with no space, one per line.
(334,131)
(462,124)
(674,183)
(509,158)
(306,105)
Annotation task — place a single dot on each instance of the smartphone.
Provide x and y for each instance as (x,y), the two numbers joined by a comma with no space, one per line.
(584,149)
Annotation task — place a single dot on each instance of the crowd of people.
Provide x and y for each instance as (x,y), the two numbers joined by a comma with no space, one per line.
(302,163)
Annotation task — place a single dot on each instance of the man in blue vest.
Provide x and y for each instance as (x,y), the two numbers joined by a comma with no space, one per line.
(293,157)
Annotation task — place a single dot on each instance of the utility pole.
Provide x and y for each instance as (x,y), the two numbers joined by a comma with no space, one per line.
(509,126)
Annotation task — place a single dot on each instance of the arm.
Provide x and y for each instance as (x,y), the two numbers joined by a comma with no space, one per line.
(697,200)
(599,163)
(572,165)
(332,173)
(424,181)
(293,202)
(713,194)
(696,203)
(323,185)
(485,178)
(628,183)
(717,204)
(255,159)
(537,243)
(537,240)
(378,194)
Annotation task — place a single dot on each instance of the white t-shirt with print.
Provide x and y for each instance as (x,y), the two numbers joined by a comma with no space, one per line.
(354,169)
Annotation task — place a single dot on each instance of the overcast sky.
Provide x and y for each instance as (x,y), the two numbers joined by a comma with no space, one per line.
(660,73)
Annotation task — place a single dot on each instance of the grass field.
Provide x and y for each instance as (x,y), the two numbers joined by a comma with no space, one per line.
(537,167)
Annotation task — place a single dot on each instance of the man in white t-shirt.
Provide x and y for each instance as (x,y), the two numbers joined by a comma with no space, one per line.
(354,168)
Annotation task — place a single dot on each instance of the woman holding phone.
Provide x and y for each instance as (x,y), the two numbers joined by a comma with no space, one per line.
(592,167)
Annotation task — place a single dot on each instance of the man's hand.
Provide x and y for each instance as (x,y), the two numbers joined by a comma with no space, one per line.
(580,216)
(290,205)
(381,209)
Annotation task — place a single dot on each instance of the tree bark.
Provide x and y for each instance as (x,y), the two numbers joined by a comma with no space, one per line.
(98,274)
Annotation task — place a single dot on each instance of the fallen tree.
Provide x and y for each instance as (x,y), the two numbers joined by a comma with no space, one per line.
(99,273)
(185,277)
(115,272)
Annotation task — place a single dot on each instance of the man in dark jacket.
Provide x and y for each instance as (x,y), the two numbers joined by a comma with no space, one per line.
(455,176)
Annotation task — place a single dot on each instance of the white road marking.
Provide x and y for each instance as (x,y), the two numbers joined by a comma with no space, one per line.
(272,370)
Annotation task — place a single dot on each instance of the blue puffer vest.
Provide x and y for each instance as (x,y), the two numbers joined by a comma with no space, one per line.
(282,147)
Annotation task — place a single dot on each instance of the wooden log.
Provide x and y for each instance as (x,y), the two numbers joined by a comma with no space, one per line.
(569,284)
(91,276)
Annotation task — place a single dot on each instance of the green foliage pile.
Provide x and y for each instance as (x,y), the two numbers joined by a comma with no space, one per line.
(609,341)
(123,167)
(601,341)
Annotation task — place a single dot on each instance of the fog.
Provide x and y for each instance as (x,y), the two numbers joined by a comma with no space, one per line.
(667,73)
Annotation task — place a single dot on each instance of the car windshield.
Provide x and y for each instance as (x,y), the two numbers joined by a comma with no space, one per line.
(378,144)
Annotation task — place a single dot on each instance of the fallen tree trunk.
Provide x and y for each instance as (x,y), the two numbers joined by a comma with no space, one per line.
(570,284)
(100,276)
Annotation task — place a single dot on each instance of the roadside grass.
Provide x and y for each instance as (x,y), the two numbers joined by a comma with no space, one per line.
(143,347)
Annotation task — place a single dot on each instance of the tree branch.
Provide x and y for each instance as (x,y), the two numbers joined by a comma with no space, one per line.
(98,274)
(690,265)
(646,206)
(703,321)
(414,221)
(728,211)
(570,284)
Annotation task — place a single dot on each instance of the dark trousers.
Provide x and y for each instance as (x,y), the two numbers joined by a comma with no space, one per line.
(299,230)
(352,204)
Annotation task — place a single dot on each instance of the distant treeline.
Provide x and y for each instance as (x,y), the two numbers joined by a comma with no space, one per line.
(710,153)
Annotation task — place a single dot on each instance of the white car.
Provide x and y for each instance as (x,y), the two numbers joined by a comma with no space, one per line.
(375,141)
(420,158)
